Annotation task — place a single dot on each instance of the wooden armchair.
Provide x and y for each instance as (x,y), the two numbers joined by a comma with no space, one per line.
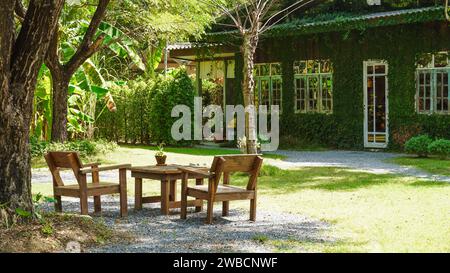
(213,192)
(71,160)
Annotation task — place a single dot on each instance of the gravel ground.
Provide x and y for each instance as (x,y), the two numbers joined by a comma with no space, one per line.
(373,162)
(158,233)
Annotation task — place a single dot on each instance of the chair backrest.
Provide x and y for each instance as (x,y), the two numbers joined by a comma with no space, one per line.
(63,160)
(227,164)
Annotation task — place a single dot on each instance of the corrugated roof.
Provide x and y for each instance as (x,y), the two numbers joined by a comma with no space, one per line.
(348,22)
(190,45)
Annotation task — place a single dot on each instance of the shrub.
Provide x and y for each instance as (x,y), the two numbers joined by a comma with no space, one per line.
(130,123)
(174,89)
(418,145)
(440,147)
(83,147)
(38,148)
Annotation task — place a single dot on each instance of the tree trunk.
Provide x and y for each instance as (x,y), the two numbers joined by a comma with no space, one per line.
(60,86)
(20,62)
(248,48)
(61,74)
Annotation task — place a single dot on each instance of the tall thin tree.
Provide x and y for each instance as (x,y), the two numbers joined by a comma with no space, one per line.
(21,57)
(252,18)
(447,15)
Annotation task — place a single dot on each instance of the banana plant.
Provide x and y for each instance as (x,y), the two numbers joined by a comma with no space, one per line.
(88,85)
(42,106)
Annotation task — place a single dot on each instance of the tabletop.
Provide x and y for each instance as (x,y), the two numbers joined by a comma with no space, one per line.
(166,169)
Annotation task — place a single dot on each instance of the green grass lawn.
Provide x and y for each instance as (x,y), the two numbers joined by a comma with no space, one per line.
(366,212)
(431,165)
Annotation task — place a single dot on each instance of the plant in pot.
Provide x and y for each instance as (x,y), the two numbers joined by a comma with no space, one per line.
(160,155)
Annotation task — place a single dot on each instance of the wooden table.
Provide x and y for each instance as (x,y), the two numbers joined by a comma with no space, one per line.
(168,175)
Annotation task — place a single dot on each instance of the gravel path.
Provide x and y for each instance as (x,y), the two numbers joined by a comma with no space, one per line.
(157,233)
(374,162)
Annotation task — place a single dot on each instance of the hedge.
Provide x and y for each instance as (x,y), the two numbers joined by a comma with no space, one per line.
(144,109)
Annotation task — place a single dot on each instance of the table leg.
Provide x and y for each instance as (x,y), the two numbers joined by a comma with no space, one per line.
(138,194)
(173,190)
(165,193)
(198,181)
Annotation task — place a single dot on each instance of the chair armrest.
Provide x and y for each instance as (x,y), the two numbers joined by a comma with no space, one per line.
(93,164)
(106,168)
(195,171)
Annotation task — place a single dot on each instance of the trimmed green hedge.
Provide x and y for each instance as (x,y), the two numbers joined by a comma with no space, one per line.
(144,109)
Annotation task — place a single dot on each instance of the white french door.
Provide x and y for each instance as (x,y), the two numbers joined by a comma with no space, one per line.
(376,104)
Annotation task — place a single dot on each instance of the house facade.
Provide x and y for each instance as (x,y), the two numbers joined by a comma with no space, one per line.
(354,82)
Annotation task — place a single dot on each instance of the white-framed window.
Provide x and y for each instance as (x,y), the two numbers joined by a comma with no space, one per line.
(433,83)
(313,84)
(268,84)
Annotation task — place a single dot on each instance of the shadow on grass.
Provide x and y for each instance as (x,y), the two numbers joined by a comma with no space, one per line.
(429,184)
(431,165)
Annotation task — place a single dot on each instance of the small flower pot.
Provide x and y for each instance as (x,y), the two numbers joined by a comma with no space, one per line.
(161,160)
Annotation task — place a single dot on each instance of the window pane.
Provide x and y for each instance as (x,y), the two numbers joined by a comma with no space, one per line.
(276,92)
(276,69)
(380,101)
(425,60)
(380,69)
(325,66)
(313,66)
(264,70)
(441,59)
(370,104)
(256,70)
(265,92)
(313,84)
(326,94)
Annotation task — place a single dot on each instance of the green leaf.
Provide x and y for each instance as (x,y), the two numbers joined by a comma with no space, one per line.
(99,91)
(23,213)
(49,199)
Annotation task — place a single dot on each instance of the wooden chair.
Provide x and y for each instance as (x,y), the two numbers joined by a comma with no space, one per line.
(71,160)
(213,192)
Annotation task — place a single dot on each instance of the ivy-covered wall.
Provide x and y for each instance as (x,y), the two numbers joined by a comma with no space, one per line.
(398,45)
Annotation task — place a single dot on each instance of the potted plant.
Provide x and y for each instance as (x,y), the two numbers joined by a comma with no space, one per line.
(160,155)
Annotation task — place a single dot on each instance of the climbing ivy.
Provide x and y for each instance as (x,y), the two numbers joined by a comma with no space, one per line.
(348,49)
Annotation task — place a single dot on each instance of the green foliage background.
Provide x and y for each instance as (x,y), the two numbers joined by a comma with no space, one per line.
(144,109)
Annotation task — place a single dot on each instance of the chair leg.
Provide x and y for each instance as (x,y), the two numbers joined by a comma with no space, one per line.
(225,208)
(84,203)
(97,204)
(183,206)
(184,182)
(123,193)
(199,181)
(253,209)
(58,204)
(209,212)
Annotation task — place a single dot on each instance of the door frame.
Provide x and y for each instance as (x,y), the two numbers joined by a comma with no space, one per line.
(368,144)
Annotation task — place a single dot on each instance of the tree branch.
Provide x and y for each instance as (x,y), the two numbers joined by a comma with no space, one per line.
(88,47)
(289,10)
